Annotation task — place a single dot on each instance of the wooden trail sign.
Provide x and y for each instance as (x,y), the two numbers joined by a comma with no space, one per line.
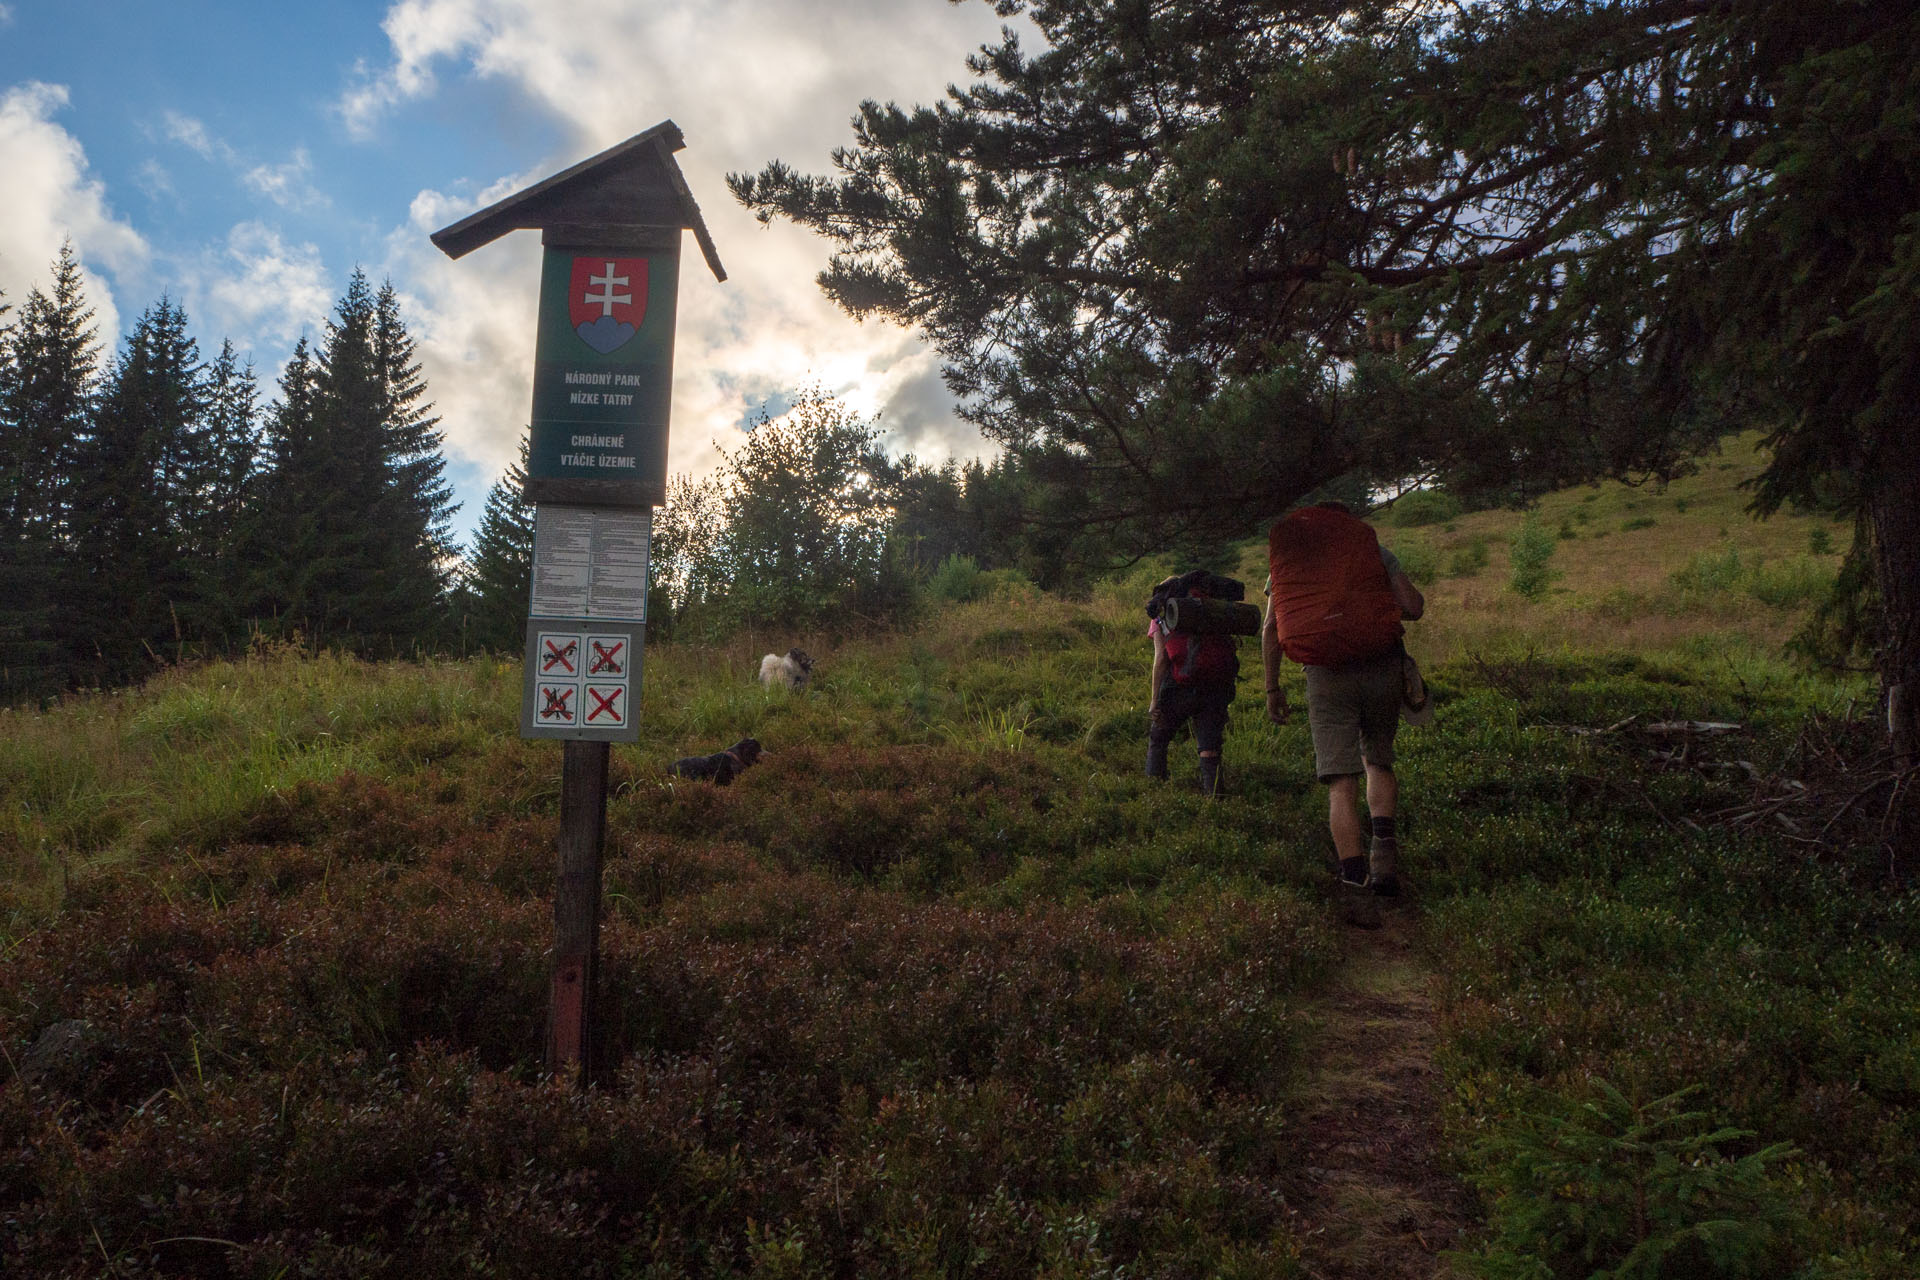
(602,388)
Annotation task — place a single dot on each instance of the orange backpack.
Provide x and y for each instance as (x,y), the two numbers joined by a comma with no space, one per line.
(1332,603)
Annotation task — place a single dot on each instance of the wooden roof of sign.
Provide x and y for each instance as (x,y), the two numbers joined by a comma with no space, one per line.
(631,186)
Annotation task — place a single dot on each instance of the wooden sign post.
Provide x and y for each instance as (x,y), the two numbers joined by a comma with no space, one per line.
(597,466)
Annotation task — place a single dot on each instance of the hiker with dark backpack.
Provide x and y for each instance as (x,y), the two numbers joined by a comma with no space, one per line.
(1194,672)
(1336,598)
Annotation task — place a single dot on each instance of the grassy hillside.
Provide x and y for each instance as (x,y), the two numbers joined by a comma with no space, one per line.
(945,987)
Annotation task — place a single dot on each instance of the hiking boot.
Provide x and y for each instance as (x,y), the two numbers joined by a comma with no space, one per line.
(1383,858)
(1357,907)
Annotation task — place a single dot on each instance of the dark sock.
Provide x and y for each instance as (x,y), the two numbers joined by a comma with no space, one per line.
(1383,829)
(1353,870)
(1209,775)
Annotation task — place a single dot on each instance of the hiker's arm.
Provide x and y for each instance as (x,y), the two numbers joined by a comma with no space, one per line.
(1159,672)
(1407,596)
(1277,709)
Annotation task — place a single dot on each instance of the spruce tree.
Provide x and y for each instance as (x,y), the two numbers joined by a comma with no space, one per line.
(278,534)
(355,512)
(216,532)
(497,580)
(140,476)
(55,357)
(417,506)
(45,402)
(16,551)
(346,480)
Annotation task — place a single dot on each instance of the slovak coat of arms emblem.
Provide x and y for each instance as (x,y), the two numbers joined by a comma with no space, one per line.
(607,300)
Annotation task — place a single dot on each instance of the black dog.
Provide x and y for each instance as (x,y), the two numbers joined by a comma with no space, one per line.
(721,767)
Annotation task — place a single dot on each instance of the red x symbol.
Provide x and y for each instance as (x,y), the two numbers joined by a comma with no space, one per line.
(559,704)
(607,660)
(604,702)
(559,655)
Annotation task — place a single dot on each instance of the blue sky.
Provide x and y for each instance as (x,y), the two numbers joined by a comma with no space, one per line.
(243,158)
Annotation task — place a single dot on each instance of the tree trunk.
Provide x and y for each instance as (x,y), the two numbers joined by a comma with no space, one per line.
(1894,513)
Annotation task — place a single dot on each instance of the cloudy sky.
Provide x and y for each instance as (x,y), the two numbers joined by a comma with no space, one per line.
(242,158)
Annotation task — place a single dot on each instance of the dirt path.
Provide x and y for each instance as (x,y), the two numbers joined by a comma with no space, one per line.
(1373,1190)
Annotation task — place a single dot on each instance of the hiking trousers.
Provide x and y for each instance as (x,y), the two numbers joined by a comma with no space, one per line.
(1204,704)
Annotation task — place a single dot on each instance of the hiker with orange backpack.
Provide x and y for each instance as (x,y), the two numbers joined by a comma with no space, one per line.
(1335,600)
(1193,674)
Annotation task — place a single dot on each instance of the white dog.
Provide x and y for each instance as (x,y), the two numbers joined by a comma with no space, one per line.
(793,669)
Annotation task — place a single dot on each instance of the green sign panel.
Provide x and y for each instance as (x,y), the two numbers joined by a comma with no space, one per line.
(603,375)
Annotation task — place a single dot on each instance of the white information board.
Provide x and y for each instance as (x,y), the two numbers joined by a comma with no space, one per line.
(590,562)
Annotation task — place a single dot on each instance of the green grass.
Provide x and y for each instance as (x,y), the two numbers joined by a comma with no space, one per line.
(945,986)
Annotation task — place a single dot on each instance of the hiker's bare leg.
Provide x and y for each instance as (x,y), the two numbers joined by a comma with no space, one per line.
(1343,816)
(1383,791)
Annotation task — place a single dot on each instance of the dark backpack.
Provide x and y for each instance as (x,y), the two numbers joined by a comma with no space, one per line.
(1199,659)
(1214,586)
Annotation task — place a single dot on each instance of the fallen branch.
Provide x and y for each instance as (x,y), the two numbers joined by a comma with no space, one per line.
(1680,728)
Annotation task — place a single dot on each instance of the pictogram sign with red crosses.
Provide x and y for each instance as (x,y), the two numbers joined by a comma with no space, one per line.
(582,677)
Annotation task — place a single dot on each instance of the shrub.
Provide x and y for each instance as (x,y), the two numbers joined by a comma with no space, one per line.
(957,579)
(1469,560)
(1798,581)
(1819,541)
(1783,585)
(1012,584)
(1638,522)
(1423,506)
(1630,1190)
(1418,561)
(1710,572)
(1530,555)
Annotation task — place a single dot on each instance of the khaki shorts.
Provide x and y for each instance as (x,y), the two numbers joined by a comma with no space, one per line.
(1353,712)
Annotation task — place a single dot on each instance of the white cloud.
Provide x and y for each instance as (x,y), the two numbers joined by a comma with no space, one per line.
(473,323)
(421,32)
(193,135)
(288,185)
(154,181)
(749,81)
(51,198)
(258,290)
(6,15)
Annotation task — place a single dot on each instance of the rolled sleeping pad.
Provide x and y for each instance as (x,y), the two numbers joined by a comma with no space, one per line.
(1194,616)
